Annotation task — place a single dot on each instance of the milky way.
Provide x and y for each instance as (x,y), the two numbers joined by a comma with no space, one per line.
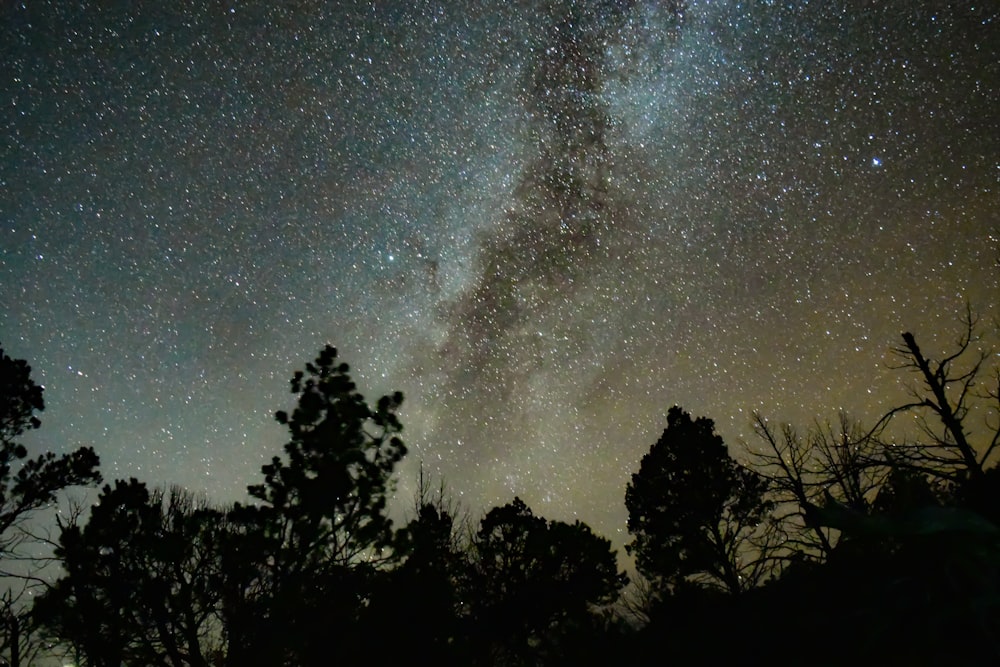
(545,223)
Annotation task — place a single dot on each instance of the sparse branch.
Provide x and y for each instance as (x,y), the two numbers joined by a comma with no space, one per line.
(994,395)
(787,465)
(946,394)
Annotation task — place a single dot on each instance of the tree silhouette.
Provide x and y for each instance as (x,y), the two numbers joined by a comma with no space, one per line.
(693,510)
(420,597)
(20,398)
(533,585)
(842,462)
(139,583)
(36,481)
(27,487)
(322,528)
(942,402)
(909,573)
(894,549)
(913,581)
(330,496)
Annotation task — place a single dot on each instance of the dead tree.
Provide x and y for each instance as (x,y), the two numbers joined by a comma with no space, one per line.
(942,402)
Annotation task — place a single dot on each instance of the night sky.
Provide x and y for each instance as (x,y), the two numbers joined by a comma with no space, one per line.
(544,222)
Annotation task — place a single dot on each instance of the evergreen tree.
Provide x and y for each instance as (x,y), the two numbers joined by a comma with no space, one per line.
(139,586)
(534,586)
(321,530)
(692,509)
(28,486)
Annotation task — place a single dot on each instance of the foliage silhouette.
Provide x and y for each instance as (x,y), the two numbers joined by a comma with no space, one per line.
(138,587)
(693,509)
(28,486)
(911,572)
(321,527)
(859,549)
(420,597)
(36,481)
(330,496)
(534,584)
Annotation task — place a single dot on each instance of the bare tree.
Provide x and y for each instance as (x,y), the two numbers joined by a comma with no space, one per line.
(947,393)
(841,462)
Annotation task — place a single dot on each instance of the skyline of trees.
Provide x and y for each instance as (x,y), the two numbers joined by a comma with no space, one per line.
(898,538)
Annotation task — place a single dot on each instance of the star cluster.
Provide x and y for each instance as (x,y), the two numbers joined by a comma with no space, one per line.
(544,222)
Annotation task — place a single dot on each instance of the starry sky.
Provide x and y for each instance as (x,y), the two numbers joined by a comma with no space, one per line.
(545,222)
